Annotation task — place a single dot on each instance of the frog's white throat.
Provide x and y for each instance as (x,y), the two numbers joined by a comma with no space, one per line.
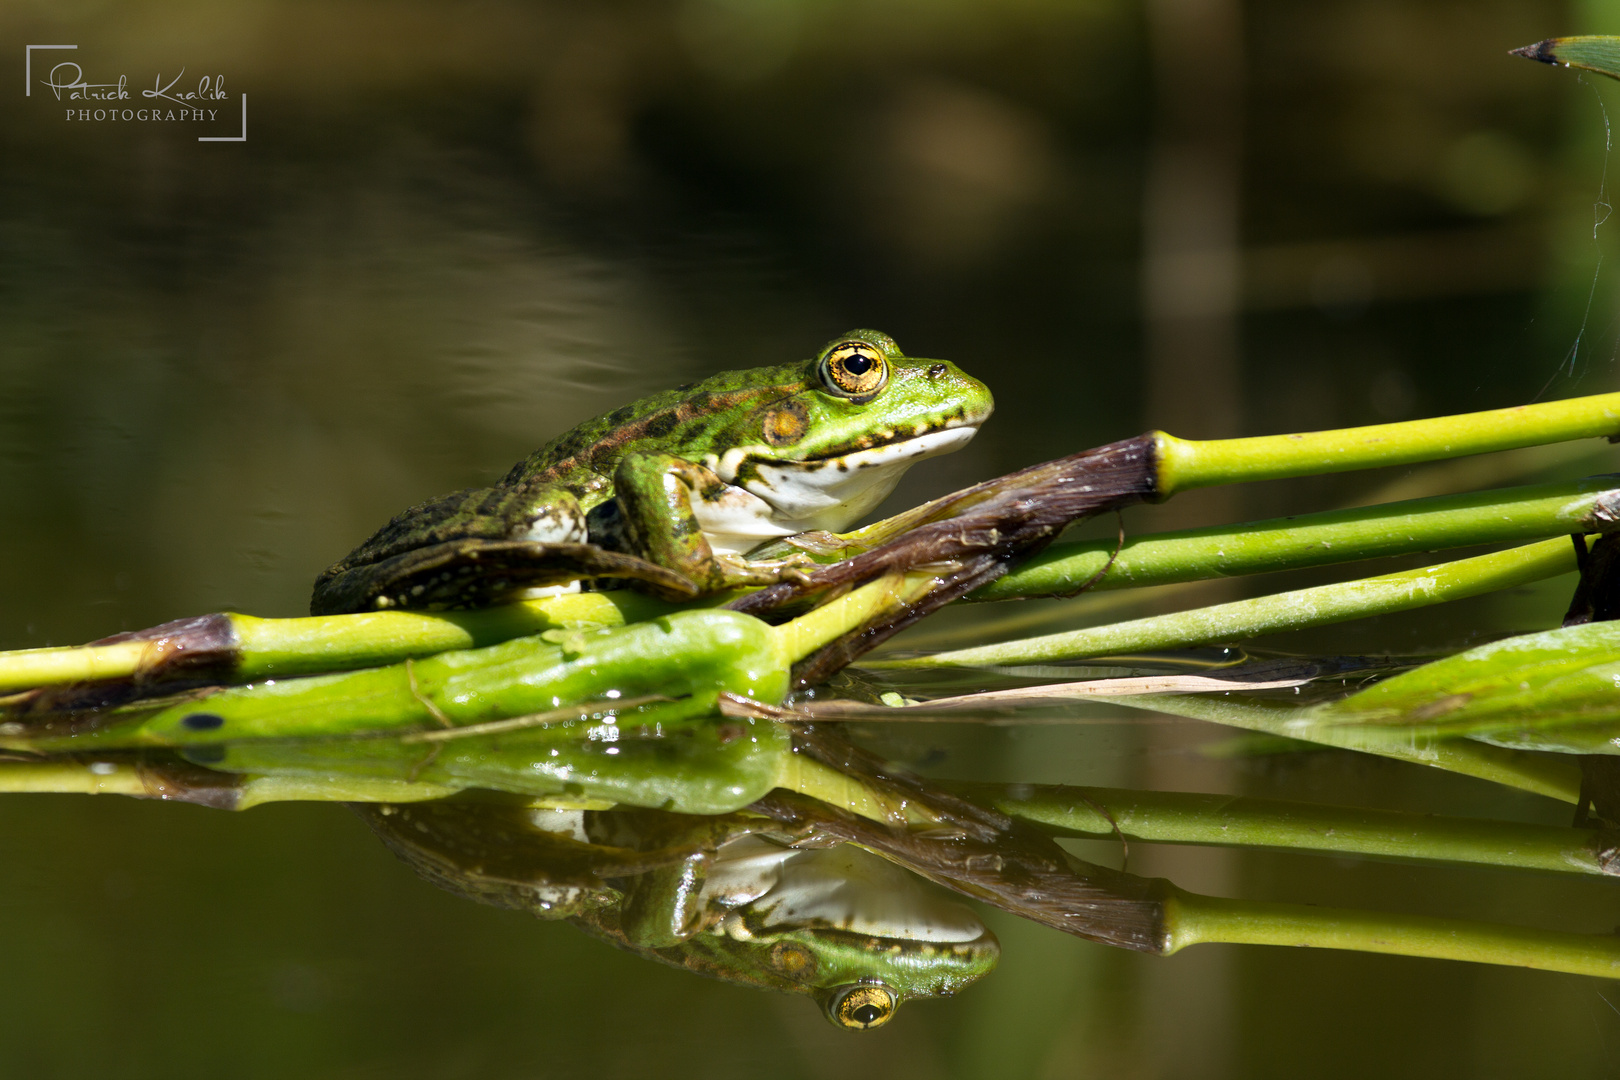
(777,890)
(780,498)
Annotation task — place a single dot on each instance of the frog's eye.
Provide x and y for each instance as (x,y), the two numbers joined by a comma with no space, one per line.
(855,370)
(862,1006)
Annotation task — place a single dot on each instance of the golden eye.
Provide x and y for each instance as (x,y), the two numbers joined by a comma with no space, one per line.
(860,1007)
(855,370)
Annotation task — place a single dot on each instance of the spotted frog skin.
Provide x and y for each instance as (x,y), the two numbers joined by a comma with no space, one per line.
(674,489)
(718,896)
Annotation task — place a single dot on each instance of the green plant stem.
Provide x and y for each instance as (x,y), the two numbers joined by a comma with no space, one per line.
(257,648)
(1185,464)
(1295,610)
(1511,515)
(138,776)
(123,775)
(335,642)
(254,648)
(1173,817)
(1192,919)
(1552,775)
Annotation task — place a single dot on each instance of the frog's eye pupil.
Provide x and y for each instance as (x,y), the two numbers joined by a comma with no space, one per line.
(858,364)
(866,1014)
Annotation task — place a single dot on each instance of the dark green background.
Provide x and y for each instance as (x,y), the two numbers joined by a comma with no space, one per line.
(458,229)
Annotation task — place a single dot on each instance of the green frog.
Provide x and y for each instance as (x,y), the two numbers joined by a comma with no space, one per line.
(673,490)
(725,896)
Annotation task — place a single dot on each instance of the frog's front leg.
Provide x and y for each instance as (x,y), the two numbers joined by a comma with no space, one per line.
(658,498)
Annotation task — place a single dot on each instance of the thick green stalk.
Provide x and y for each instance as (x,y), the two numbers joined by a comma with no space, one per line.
(866,606)
(24,669)
(1191,919)
(1184,464)
(1511,515)
(251,648)
(334,642)
(1173,817)
(1295,610)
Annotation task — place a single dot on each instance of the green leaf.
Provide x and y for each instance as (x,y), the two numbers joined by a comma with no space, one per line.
(1589,52)
(1558,690)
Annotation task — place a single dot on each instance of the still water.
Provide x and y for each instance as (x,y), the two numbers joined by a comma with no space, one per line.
(454,232)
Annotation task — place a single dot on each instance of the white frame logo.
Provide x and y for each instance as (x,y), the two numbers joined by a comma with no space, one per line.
(106,95)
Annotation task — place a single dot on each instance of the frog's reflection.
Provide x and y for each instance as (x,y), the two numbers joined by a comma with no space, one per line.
(722,896)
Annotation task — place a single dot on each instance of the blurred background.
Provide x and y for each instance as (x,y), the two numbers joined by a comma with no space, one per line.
(456,230)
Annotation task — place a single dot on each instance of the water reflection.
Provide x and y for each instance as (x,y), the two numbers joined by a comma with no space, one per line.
(716,897)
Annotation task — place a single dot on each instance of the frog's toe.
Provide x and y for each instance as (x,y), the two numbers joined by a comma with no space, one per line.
(738,571)
(798,575)
(795,568)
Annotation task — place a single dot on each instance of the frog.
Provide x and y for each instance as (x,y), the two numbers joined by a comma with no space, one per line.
(729,896)
(670,493)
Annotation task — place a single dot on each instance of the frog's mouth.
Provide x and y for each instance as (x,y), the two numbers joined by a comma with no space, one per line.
(766,497)
(908,441)
(738,465)
(845,889)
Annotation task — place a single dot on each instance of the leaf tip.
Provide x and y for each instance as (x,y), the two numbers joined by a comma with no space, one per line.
(1543,51)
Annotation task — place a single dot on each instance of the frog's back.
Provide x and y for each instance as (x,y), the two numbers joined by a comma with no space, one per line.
(677,420)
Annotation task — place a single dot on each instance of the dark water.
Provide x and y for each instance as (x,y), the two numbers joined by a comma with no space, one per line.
(455,231)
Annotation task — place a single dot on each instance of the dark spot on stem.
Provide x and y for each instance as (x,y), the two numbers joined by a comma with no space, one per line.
(203,721)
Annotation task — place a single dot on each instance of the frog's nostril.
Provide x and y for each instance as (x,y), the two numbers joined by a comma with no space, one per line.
(935,370)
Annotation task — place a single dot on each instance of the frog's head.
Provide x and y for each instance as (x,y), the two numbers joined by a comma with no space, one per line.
(822,443)
(855,932)
(839,924)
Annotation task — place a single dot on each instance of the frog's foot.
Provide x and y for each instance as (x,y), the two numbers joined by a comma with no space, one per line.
(737,571)
(475,573)
(819,542)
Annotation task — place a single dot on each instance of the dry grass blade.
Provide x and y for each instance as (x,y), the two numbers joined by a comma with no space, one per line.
(1273,675)
(1279,674)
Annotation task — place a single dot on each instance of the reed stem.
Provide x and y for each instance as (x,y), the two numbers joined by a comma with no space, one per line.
(1192,919)
(1296,610)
